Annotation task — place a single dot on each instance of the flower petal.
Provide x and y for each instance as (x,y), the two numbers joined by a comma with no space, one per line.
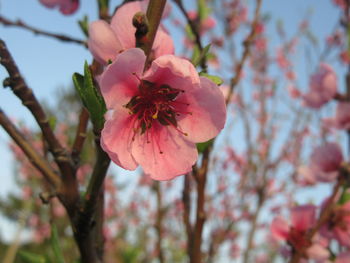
(279,228)
(103,43)
(167,154)
(163,44)
(116,138)
(118,82)
(176,72)
(122,23)
(207,112)
(303,217)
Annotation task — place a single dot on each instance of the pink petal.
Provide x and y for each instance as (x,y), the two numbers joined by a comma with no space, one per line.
(343,236)
(49,3)
(327,157)
(208,112)
(122,23)
(343,257)
(303,217)
(116,138)
(118,84)
(279,228)
(177,157)
(178,73)
(318,252)
(163,44)
(103,43)
(69,6)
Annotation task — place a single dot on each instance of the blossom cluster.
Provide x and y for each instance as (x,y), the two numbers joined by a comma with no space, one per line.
(156,114)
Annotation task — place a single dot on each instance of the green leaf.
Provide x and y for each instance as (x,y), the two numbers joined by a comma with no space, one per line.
(216,79)
(203,10)
(103,3)
(345,196)
(84,25)
(29,257)
(201,147)
(197,56)
(90,97)
(52,122)
(55,245)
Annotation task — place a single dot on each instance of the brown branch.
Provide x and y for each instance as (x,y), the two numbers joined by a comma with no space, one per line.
(37,160)
(154,14)
(194,28)
(201,175)
(80,135)
(69,193)
(247,44)
(21,24)
(186,201)
(159,222)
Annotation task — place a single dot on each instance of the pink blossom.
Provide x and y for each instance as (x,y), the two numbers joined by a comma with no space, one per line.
(106,41)
(327,158)
(293,91)
(295,233)
(340,3)
(338,226)
(306,176)
(342,117)
(205,24)
(323,87)
(157,116)
(343,257)
(66,7)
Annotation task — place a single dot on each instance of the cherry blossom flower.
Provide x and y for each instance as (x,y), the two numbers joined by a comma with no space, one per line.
(325,161)
(342,116)
(66,7)
(323,87)
(157,117)
(302,220)
(343,257)
(338,227)
(206,24)
(106,41)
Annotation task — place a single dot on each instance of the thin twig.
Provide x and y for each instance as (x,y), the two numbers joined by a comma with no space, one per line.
(80,135)
(247,44)
(37,160)
(201,176)
(159,222)
(195,32)
(69,193)
(186,201)
(37,31)
(154,14)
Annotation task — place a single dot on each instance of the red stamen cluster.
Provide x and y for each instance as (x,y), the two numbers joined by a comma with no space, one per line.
(155,102)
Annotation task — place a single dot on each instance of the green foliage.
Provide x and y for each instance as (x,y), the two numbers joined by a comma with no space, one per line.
(90,97)
(55,245)
(216,79)
(201,147)
(29,257)
(203,9)
(84,25)
(197,56)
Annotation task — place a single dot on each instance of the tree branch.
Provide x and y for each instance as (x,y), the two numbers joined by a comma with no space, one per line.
(194,29)
(80,135)
(37,160)
(247,44)
(21,24)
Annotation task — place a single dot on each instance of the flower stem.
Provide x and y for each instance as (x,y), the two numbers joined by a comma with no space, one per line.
(154,14)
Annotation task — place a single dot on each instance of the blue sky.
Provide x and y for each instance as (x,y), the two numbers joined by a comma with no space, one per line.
(48,64)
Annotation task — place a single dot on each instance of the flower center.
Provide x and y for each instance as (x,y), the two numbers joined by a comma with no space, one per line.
(155,103)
